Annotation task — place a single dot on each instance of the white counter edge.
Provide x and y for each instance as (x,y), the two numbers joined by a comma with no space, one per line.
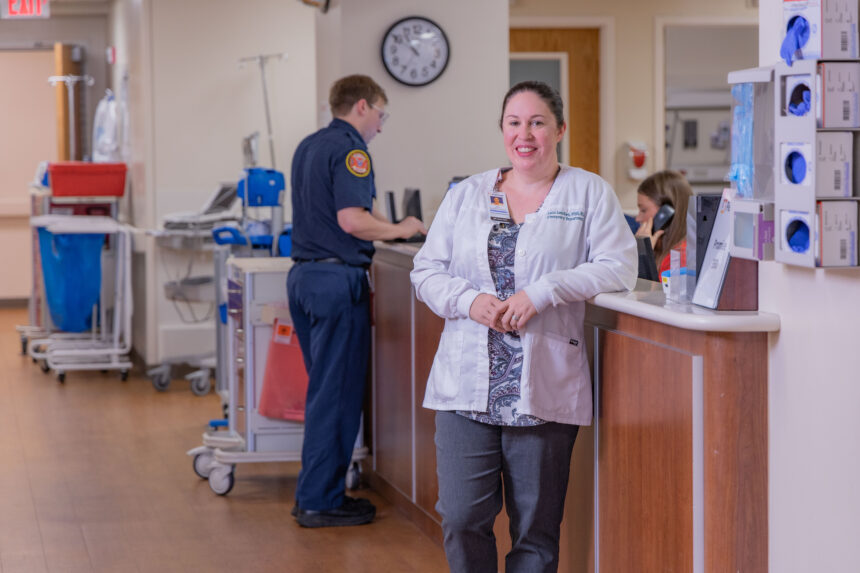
(648,301)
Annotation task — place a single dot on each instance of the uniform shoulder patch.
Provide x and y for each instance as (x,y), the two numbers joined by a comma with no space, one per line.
(358,163)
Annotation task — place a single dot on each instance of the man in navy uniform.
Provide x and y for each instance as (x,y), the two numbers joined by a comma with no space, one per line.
(334,226)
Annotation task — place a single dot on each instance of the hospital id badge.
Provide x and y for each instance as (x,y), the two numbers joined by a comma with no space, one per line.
(499,207)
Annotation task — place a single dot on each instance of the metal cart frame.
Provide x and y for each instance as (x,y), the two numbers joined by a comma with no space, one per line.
(256,296)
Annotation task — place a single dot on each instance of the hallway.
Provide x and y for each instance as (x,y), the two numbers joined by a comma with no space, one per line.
(94,477)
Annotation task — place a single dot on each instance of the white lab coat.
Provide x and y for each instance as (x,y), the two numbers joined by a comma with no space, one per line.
(576,246)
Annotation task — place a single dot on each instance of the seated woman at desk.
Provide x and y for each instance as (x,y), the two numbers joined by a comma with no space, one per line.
(664,188)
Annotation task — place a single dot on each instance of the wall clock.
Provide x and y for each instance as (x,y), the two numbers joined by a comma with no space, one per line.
(415,51)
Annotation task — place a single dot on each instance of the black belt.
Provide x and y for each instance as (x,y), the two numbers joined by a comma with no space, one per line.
(333,260)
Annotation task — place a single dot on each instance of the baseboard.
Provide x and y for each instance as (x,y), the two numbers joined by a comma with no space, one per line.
(429,526)
(14,302)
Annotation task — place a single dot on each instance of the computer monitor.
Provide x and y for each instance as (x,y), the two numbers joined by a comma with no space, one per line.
(454,181)
(390,208)
(707,205)
(412,203)
(647,262)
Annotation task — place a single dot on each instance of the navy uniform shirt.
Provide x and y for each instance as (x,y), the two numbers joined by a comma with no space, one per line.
(331,171)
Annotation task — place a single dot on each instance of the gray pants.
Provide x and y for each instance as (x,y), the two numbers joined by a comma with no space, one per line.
(472,461)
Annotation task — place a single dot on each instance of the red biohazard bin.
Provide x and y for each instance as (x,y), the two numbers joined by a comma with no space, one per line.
(83,179)
(285,381)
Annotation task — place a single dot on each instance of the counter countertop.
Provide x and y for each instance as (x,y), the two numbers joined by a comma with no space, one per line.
(261,264)
(410,249)
(647,301)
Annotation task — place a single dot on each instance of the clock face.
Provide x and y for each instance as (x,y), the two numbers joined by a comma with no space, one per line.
(415,51)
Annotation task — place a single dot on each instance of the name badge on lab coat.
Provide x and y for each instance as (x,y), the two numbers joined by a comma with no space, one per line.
(499,207)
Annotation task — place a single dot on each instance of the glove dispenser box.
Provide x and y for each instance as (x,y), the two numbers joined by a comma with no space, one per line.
(834,162)
(819,29)
(829,89)
(836,234)
(825,168)
(815,213)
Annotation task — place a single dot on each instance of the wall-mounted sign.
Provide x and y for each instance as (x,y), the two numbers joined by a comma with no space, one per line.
(21,9)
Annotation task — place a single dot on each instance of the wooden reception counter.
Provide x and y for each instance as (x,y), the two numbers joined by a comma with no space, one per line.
(671,476)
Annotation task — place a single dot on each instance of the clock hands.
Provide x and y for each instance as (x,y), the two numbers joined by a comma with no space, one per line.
(412,46)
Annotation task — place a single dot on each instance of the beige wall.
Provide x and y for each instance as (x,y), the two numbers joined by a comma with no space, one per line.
(446,128)
(724,48)
(814,401)
(190,106)
(634,47)
(204,104)
(28,136)
(129,32)
(86,27)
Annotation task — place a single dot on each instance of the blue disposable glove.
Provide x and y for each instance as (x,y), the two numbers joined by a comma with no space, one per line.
(799,239)
(796,167)
(795,38)
(803,107)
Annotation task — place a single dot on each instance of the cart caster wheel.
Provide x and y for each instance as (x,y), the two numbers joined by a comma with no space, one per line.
(35,361)
(23,345)
(44,366)
(200,386)
(161,383)
(123,375)
(221,479)
(201,465)
(61,377)
(353,476)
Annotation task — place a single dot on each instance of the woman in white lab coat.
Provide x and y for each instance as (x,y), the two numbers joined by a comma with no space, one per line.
(510,259)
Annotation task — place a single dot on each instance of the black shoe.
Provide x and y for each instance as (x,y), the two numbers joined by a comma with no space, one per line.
(355,500)
(351,512)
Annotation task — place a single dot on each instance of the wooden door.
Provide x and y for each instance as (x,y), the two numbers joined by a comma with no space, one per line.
(65,65)
(582,46)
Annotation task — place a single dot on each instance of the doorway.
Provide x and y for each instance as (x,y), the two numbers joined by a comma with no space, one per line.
(29,136)
(693,99)
(581,46)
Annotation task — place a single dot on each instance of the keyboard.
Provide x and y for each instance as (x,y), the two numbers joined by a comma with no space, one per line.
(416,238)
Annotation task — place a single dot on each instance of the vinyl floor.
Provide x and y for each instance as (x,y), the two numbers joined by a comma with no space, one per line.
(94,476)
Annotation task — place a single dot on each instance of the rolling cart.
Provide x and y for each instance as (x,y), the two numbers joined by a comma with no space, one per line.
(43,202)
(256,297)
(107,344)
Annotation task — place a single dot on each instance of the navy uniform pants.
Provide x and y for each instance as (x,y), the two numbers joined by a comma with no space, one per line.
(330,308)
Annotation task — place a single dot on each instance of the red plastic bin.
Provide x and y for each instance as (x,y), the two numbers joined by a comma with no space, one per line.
(83,179)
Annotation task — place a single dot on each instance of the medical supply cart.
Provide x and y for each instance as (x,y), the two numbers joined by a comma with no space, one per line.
(187,251)
(193,297)
(257,290)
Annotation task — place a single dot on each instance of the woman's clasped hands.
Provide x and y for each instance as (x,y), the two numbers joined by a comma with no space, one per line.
(502,315)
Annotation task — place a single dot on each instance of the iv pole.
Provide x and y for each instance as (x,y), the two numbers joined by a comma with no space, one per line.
(262,59)
(70,82)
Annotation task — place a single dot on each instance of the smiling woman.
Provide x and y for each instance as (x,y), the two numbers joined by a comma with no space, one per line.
(510,381)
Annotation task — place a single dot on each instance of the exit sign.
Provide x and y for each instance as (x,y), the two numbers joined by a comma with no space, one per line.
(17,9)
